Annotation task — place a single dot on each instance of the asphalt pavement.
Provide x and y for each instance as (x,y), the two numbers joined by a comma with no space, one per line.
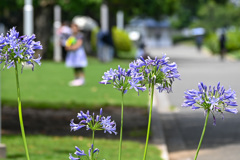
(181,127)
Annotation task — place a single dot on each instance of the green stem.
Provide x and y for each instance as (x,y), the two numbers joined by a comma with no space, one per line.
(149,122)
(121,130)
(91,158)
(20,113)
(203,132)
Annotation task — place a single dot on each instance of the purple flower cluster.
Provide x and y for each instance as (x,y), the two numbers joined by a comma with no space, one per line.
(211,99)
(81,153)
(156,71)
(142,72)
(18,49)
(123,80)
(90,122)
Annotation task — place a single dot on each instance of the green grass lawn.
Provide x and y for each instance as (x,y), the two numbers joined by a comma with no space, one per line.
(58,148)
(47,87)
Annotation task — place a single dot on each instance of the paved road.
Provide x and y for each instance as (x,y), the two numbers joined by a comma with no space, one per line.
(182,127)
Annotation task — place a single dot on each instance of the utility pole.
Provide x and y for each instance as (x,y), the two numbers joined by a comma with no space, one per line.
(120,20)
(105,51)
(57,55)
(104,18)
(28,17)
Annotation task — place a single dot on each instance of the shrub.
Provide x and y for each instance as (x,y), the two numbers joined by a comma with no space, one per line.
(211,41)
(233,40)
(121,40)
(122,43)
(93,39)
(180,38)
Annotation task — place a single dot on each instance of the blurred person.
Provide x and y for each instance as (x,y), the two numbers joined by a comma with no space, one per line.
(141,51)
(141,48)
(199,41)
(222,44)
(64,32)
(76,57)
(198,33)
(105,46)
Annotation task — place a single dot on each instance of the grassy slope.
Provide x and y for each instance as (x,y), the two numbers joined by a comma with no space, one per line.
(48,87)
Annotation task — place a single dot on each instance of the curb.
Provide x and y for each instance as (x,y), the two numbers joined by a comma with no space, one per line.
(158,136)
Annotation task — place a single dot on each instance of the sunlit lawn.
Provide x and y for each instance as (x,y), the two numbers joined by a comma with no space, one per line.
(47,87)
(58,148)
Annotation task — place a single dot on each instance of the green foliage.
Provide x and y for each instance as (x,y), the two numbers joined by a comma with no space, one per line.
(233,40)
(187,12)
(235,54)
(150,8)
(211,41)
(47,87)
(91,8)
(10,4)
(180,38)
(80,7)
(50,51)
(55,147)
(127,54)
(122,43)
(93,39)
(213,16)
(121,40)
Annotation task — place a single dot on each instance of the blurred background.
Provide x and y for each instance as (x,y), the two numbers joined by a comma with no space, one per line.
(201,36)
(156,23)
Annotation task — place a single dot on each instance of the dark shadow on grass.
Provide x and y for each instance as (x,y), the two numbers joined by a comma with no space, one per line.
(63,151)
(16,156)
(56,122)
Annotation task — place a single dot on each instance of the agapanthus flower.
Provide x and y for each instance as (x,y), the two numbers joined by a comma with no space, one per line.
(94,123)
(18,49)
(213,99)
(80,153)
(96,150)
(108,125)
(156,71)
(123,80)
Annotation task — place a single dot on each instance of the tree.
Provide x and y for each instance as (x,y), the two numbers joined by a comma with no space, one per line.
(213,16)
(72,8)
(188,10)
(12,12)
(143,8)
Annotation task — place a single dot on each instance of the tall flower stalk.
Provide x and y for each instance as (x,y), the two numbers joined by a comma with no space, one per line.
(94,124)
(211,100)
(142,73)
(121,130)
(123,80)
(157,72)
(20,114)
(149,122)
(14,50)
